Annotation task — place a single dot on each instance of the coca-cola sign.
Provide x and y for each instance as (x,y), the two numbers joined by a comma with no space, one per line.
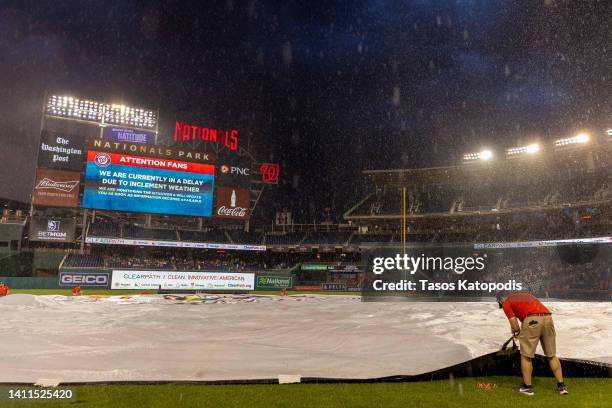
(232,202)
(236,212)
(56,188)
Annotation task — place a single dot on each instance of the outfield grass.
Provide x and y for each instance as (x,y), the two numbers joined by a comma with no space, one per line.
(439,394)
(85,291)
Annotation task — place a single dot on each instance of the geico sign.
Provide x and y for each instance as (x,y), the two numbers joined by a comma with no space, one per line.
(232,212)
(84,279)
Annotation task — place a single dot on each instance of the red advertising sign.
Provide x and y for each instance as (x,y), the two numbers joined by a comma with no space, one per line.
(232,202)
(103,159)
(56,188)
(269,173)
(184,132)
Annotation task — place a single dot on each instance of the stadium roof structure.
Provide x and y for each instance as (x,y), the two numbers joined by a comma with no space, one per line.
(504,178)
(578,158)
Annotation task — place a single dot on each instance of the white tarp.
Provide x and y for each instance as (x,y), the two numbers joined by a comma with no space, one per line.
(240,337)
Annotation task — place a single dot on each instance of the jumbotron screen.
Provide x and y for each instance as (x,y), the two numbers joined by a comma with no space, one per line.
(123,182)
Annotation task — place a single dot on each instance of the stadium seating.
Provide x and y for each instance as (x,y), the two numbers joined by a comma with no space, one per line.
(328,238)
(135,232)
(104,229)
(365,238)
(217,236)
(242,237)
(290,238)
(83,261)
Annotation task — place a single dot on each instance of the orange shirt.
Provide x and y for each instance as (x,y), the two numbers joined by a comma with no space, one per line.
(520,305)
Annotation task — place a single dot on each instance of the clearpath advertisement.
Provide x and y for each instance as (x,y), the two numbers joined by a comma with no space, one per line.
(131,183)
(132,279)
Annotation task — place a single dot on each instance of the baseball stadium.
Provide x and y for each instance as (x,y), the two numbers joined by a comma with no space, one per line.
(155,252)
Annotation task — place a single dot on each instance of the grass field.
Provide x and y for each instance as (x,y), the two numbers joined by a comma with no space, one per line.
(440,394)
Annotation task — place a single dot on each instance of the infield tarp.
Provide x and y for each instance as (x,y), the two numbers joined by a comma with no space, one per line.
(253,338)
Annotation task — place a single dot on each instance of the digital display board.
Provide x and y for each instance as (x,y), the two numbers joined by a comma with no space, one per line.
(124,182)
(118,134)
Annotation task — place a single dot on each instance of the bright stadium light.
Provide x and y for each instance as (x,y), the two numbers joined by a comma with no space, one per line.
(580,138)
(91,111)
(609,133)
(522,150)
(484,155)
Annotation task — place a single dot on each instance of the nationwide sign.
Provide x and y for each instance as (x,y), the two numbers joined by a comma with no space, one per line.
(274,282)
(61,151)
(232,203)
(118,134)
(56,188)
(52,229)
(184,132)
(173,244)
(97,279)
(175,280)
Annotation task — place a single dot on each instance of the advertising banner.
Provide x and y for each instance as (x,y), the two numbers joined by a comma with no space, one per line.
(333,286)
(274,282)
(143,184)
(118,134)
(233,170)
(56,188)
(94,279)
(174,280)
(61,151)
(172,244)
(232,203)
(52,229)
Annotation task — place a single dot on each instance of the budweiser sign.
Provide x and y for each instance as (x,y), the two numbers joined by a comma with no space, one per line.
(66,186)
(232,202)
(56,188)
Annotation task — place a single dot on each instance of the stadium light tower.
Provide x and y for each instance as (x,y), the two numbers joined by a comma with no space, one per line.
(580,139)
(68,107)
(483,155)
(521,151)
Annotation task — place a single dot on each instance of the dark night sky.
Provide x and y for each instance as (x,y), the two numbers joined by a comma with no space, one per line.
(326,88)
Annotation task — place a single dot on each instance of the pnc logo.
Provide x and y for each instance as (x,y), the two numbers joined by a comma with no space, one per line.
(240,171)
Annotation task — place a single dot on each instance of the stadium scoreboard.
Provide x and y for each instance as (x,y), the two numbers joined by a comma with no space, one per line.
(124,169)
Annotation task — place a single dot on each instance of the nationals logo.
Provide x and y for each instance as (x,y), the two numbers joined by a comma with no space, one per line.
(66,186)
(269,173)
(102,160)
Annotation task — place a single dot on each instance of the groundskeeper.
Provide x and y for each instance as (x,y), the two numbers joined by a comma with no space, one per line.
(536,327)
